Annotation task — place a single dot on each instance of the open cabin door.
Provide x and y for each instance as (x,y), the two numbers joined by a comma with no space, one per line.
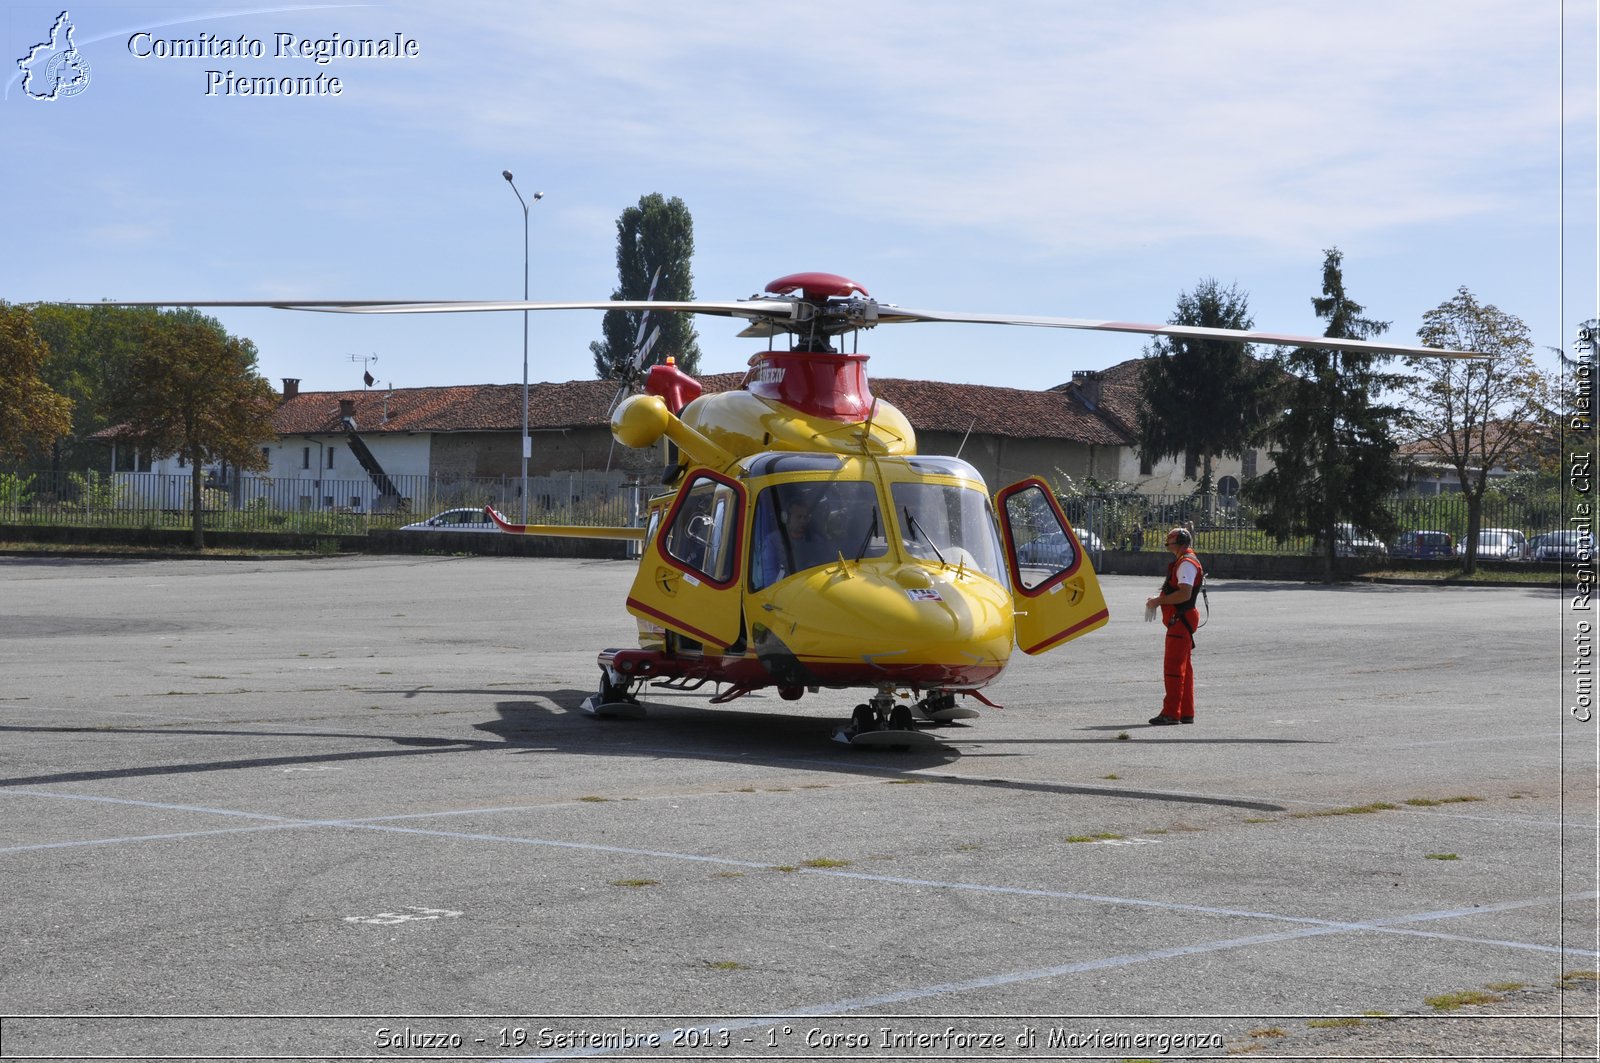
(688,577)
(1052,582)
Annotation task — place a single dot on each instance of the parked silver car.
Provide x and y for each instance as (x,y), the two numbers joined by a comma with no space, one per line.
(1562,545)
(456,520)
(1494,544)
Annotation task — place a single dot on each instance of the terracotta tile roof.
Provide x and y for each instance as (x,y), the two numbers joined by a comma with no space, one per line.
(1523,448)
(930,405)
(466,408)
(933,405)
(1119,395)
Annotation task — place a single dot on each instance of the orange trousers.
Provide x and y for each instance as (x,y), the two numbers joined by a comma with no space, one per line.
(1177,669)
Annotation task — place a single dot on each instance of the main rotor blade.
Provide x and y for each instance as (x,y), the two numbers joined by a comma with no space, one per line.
(770,315)
(747,308)
(890,314)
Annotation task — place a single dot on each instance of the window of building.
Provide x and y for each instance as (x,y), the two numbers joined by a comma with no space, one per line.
(131,459)
(331,449)
(1247,465)
(305,457)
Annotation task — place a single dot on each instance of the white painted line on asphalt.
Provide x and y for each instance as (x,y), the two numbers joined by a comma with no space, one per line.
(903,996)
(411,913)
(384,825)
(23,791)
(178,836)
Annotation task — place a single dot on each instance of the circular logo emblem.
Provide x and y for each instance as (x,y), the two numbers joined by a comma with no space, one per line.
(67,73)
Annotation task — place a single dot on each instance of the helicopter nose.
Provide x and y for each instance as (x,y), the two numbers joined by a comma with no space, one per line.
(900,612)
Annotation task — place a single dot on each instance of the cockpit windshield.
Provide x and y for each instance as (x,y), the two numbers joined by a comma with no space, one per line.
(952,525)
(802,525)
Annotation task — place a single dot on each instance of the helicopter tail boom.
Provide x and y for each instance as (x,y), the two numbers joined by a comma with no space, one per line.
(566,531)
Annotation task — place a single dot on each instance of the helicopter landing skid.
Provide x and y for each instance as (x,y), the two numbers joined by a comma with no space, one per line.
(612,710)
(613,701)
(885,739)
(948,715)
(882,724)
(941,707)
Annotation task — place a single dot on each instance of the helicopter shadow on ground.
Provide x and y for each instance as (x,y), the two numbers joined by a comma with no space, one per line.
(554,721)
(401,746)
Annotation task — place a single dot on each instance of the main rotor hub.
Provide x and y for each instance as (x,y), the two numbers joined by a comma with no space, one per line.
(821,305)
(814,287)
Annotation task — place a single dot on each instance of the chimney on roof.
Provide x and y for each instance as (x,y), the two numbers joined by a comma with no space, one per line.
(291,387)
(1088,384)
(347,409)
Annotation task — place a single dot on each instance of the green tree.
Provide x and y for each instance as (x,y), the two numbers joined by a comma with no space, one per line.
(1332,444)
(193,390)
(1202,398)
(656,234)
(89,349)
(31,412)
(1480,414)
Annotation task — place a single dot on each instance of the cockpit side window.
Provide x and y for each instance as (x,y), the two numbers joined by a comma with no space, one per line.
(703,535)
(806,524)
(1044,549)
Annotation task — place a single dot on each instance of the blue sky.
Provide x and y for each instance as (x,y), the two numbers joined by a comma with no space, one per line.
(1082,159)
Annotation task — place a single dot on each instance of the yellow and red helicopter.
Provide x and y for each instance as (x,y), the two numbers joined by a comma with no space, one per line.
(802,543)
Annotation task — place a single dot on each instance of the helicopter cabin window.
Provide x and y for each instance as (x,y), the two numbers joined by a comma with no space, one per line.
(803,525)
(949,524)
(1044,549)
(772,464)
(704,532)
(939,465)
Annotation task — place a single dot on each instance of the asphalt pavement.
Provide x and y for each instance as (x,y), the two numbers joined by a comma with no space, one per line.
(349,807)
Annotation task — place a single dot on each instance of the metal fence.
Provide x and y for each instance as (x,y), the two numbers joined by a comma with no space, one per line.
(327,506)
(1227,526)
(352,507)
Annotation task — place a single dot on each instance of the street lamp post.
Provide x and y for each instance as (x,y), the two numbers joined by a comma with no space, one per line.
(527,442)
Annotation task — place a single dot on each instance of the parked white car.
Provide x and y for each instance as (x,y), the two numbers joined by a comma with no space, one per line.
(1350,541)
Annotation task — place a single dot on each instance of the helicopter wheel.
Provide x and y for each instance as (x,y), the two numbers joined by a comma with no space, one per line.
(863,719)
(612,699)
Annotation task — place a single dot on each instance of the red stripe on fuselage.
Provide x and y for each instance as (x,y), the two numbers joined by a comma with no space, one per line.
(1103,614)
(674,622)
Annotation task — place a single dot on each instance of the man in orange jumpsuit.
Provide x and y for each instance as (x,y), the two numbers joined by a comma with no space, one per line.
(1179,614)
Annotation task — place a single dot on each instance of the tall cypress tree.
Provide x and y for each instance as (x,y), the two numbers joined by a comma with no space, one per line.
(1332,445)
(656,234)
